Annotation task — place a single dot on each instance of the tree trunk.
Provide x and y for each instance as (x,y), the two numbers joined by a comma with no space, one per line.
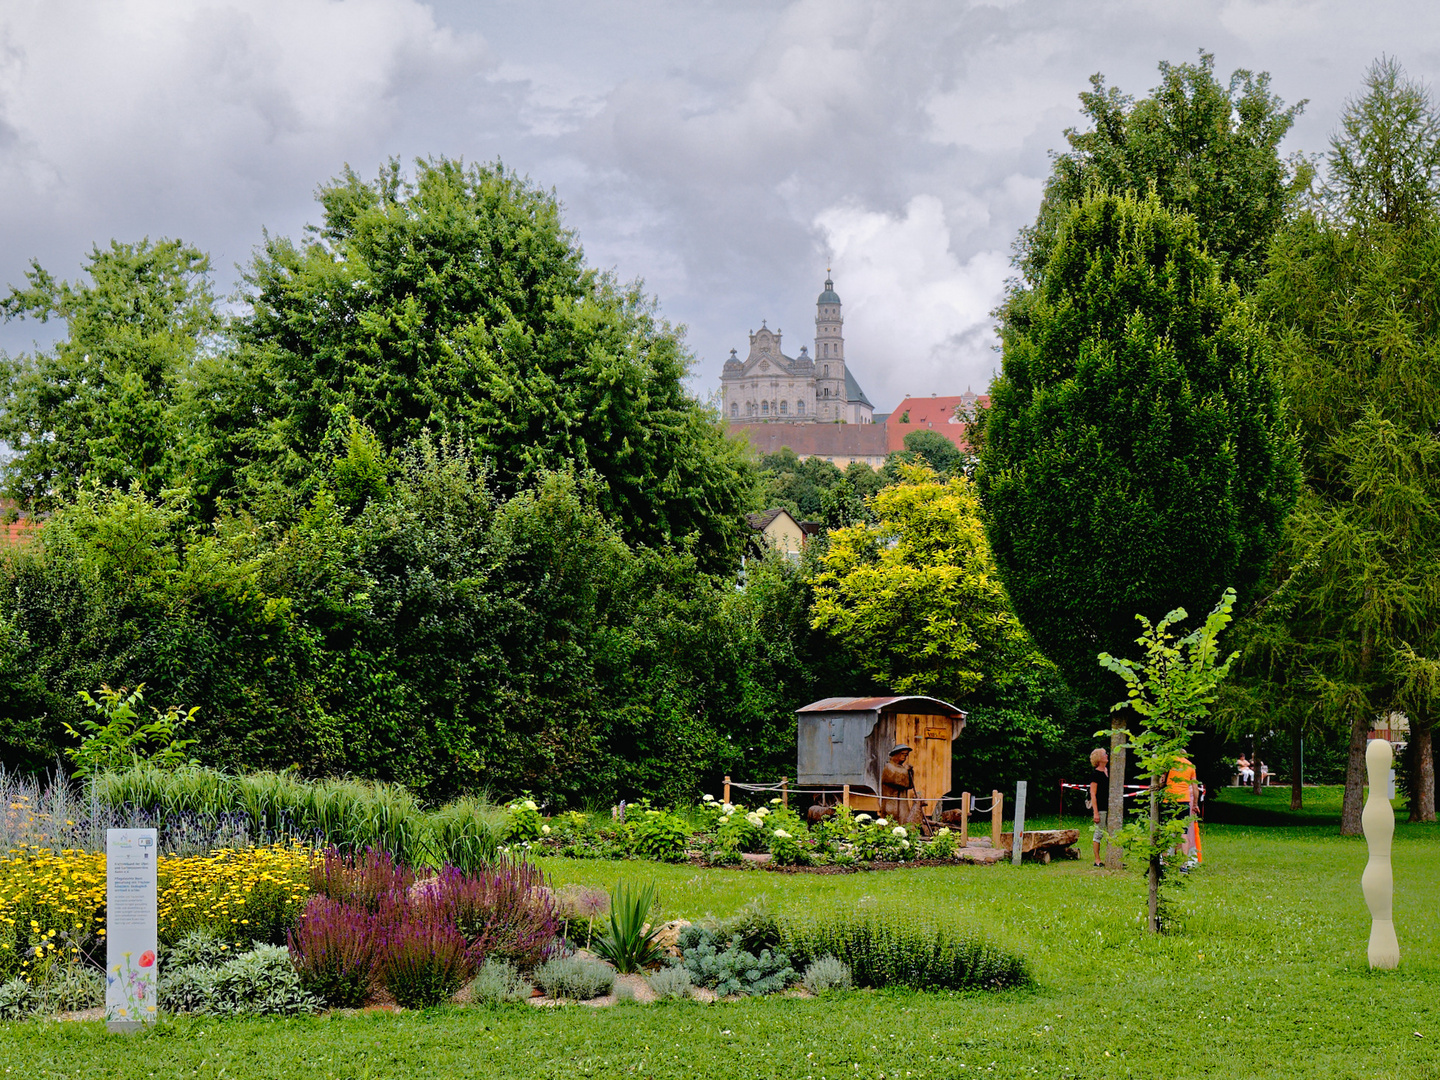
(1422,771)
(1255,763)
(1155,856)
(1297,796)
(1115,816)
(1355,775)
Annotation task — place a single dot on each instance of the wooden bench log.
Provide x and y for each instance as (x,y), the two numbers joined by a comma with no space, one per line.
(1042,843)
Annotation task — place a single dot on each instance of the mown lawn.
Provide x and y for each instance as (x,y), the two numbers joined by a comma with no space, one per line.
(1266,977)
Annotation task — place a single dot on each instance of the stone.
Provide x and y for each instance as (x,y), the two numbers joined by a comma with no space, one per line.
(667,935)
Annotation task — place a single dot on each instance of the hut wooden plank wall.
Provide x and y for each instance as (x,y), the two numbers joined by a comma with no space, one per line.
(847,741)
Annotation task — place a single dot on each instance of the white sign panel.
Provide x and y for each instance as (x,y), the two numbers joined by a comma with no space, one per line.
(130,931)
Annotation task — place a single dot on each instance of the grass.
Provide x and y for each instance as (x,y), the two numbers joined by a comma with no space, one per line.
(1266,977)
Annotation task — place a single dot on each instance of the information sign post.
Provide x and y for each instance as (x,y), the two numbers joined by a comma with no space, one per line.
(130,931)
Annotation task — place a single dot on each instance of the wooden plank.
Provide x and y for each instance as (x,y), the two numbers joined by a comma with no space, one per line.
(997,816)
(965,819)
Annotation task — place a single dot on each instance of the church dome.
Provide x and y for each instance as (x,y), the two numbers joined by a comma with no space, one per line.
(733,364)
(828,296)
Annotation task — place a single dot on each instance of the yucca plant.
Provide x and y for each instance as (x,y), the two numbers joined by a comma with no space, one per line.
(627,942)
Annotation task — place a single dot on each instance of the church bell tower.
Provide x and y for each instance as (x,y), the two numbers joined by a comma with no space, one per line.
(830,396)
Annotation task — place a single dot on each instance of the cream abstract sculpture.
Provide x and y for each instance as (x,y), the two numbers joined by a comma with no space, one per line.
(1377,883)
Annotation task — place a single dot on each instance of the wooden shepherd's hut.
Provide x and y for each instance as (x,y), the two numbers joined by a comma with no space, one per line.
(847,741)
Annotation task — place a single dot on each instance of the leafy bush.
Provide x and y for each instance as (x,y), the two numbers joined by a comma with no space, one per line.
(18,999)
(740,830)
(882,953)
(71,986)
(660,836)
(423,958)
(336,950)
(825,974)
(574,978)
(204,946)
(626,942)
(785,848)
(186,989)
(523,823)
(260,982)
(496,983)
(671,982)
(728,968)
(886,840)
(755,925)
(942,845)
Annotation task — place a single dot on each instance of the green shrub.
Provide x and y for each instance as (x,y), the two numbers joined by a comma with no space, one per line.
(70,987)
(203,947)
(464,834)
(658,835)
(881,953)
(522,822)
(571,977)
(626,942)
(728,968)
(740,830)
(260,982)
(496,983)
(18,999)
(755,925)
(671,983)
(886,840)
(826,974)
(942,845)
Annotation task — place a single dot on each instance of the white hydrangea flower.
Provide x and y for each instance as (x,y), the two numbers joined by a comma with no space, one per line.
(863,818)
(905,843)
(882,821)
(529,804)
(899,830)
(729,808)
(774,802)
(762,811)
(545,830)
(944,831)
(782,834)
(755,819)
(708,798)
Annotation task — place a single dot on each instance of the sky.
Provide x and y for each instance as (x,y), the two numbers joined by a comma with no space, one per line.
(726,153)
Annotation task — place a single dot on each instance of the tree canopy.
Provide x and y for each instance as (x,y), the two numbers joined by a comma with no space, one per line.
(1134,457)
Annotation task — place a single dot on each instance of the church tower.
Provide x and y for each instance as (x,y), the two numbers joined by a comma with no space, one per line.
(830,395)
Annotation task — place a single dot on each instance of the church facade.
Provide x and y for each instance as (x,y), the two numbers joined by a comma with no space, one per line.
(770,387)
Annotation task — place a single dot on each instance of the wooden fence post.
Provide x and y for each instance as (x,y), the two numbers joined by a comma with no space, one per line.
(845,797)
(964,819)
(997,817)
(785,792)
(726,799)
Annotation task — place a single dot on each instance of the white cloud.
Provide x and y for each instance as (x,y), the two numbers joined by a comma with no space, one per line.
(917,317)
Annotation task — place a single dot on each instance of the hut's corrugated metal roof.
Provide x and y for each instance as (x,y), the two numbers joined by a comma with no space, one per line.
(880,704)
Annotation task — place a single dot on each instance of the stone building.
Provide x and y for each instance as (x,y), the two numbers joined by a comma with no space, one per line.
(770,387)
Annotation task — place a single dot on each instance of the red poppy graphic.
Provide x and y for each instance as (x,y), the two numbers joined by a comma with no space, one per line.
(147,958)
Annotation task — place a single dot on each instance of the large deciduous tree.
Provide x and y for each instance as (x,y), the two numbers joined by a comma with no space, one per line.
(1354,295)
(104,406)
(1134,456)
(1208,149)
(915,595)
(457,303)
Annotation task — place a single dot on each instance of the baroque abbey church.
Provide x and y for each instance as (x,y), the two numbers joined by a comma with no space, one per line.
(770,387)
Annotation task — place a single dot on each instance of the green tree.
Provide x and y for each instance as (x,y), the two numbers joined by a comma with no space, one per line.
(1171,689)
(1353,296)
(933,449)
(915,595)
(1207,149)
(1135,455)
(457,303)
(103,407)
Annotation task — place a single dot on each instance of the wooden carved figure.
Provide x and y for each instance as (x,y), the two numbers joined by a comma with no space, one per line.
(1377,883)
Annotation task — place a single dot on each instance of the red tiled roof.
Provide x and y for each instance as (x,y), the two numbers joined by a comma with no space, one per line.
(930,414)
(817,440)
